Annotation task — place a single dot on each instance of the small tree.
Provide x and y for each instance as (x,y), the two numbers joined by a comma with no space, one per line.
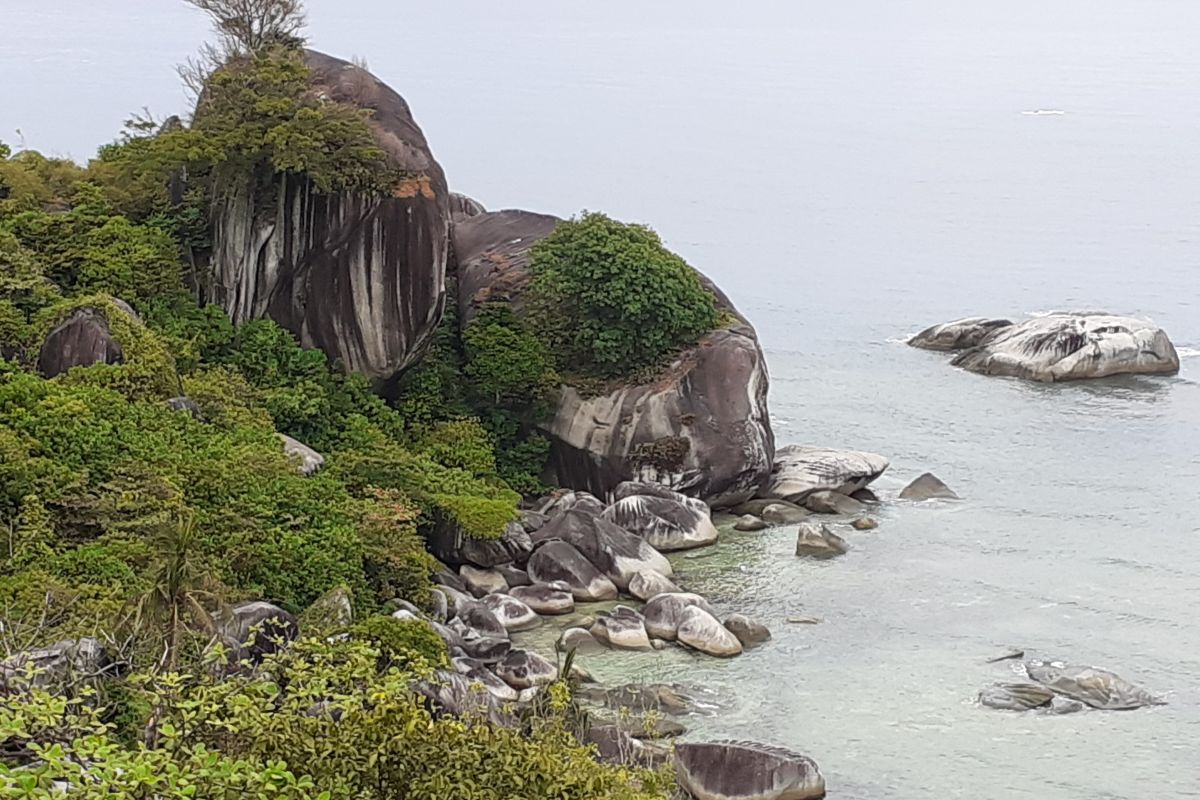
(247,26)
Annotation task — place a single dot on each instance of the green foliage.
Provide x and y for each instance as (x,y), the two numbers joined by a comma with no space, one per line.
(407,644)
(328,723)
(609,299)
(30,182)
(460,444)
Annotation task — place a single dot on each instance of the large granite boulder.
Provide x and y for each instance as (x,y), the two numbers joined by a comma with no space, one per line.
(648,584)
(448,693)
(818,541)
(617,553)
(550,599)
(666,523)
(700,426)
(622,628)
(701,631)
(256,629)
(746,771)
(480,582)
(83,339)
(1066,347)
(800,471)
(521,669)
(512,613)
(927,487)
(450,545)
(560,561)
(361,278)
(665,613)
(959,334)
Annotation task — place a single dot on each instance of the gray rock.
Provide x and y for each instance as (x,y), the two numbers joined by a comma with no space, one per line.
(448,543)
(463,207)
(865,496)
(330,611)
(512,613)
(532,521)
(749,523)
(577,639)
(570,501)
(486,647)
(185,405)
(700,427)
(648,583)
(635,488)
(560,561)
(521,669)
(665,613)
(701,631)
(451,694)
(548,599)
(65,665)
(80,340)
(827,502)
(1097,688)
(1015,696)
(927,487)
(308,461)
(478,617)
(361,278)
(480,582)
(1073,346)
(800,471)
(514,576)
(257,629)
(450,637)
(614,745)
(865,524)
(614,551)
(623,628)
(746,771)
(640,698)
(959,334)
(778,513)
(1064,705)
(491,682)
(666,523)
(817,541)
(438,606)
(747,631)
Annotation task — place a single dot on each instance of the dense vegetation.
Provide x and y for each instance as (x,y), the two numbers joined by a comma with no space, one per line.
(609,299)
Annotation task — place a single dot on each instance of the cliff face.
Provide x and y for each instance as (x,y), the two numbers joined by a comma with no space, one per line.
(700,427)
(361,278)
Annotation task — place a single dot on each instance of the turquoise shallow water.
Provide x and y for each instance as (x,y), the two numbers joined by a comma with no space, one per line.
(849,173)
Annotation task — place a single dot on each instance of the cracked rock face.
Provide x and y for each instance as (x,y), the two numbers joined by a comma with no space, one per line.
(1070,346)
(361,278)
(700,427)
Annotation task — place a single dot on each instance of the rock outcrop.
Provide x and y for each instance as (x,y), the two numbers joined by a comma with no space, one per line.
(81,340)
(1066,347)
(614,551)
(959,334)
(560,561)
(746,771)
(666,523)
(927,487)
(361,278)
(1097,688)
(700,427)
(665,613)
(799,471)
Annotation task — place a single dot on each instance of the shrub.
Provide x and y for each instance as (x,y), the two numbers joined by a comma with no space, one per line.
(609,299)
(410,645)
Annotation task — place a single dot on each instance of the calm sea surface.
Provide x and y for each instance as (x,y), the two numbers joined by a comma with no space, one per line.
(849,172)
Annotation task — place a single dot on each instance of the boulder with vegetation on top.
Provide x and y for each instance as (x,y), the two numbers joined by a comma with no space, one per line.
(695,420)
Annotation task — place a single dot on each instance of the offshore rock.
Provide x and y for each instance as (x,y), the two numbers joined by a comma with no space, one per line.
(1066,347)
(623,628)
(701,631)
(1096,687)
(927,487)
(747,631)
(818,541)
(648,584)
(361,278)
(1015,696)
(746,771)
(800,471)
(700,427)
(959,334)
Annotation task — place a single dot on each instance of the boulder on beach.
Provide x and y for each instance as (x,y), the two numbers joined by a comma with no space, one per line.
(1097,688)
(747,631)
(512,613)
(480,582)
(514,576)
(748,523)
(613,550)
(865,524)
(622,628)
(700,630)
(560,561)
(959,334)
(664,613)
(577,639)
(522,669)
(478,617)
(829,502)
(551,599)
(1073,346)
(799,471)
(746,771)
(781,513)
(927,487)
(649,583)
(699,426)
(818,541)
(666,523)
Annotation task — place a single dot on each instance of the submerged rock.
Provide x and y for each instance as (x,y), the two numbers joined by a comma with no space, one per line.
(1097,688)
(928,487)
(746,771)
(799,471)
(700,426)
(747,631)
(1015,696)
(818,541)
(700,630)
(828,502)
(781,513)
(865,524)
(1064,347)
(359,277)
(666,523)
(560,561)
(749,523)
(959,334)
